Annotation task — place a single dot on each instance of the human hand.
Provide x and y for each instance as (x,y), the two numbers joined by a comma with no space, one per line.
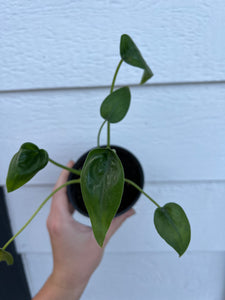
(76,253)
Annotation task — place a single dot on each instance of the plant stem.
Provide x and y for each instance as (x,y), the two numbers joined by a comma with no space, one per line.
(77,172)
(140,190)
(111,90)
(99,132)
(108,134)
(39,208)
(115,75)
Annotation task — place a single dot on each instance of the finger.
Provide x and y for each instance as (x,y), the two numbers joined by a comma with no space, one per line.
(63,176)
(71,208)
(60,199)
(117,222)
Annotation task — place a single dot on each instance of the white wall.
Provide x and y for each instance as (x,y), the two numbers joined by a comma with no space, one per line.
(56,66)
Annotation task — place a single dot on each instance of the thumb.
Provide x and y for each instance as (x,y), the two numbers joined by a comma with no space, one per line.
(117,222)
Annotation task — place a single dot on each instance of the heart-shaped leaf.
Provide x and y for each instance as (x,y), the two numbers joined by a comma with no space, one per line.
(6,256)
(102,182)
(130,53)
(24,165)
(116,105)
(173,226)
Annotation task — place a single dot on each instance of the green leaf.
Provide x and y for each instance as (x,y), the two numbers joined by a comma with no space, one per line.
(6,256)
(173,226)
(132,56)
(24,165)
(116,105)
(102,182)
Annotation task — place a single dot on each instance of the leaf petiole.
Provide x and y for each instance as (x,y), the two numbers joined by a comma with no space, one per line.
(140,190)
(115,75)
(74,171)
(99,132)
(39,208)
(108,134)
(111,90)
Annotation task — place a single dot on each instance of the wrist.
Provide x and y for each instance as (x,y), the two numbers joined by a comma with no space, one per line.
(54,289)
(73,284)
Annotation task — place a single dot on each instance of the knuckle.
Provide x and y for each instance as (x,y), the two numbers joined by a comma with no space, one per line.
(54,227)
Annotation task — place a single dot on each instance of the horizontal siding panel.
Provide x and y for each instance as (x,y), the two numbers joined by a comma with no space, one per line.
(74,44)
(155,276)
(177,132)
(203,203)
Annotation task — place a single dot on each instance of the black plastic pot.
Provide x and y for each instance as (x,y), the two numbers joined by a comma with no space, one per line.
(132,171)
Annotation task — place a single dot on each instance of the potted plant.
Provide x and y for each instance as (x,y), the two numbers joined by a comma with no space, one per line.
(100,179)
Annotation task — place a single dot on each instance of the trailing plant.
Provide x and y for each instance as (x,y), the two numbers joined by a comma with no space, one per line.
(102,176)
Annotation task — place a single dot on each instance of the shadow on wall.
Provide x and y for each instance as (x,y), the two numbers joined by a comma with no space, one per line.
(13,280)
(223,294)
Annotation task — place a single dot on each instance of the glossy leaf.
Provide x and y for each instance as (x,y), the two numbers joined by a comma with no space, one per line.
(116,105)
(24,165)
(6,256)
(102,182)
(132,56)
(173,226)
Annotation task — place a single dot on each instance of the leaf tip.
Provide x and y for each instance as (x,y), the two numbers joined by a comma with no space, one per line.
(9,190)
(6,256)
(100,243)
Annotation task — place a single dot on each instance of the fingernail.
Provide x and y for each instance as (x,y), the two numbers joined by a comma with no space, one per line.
(70,163)
(131,212)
